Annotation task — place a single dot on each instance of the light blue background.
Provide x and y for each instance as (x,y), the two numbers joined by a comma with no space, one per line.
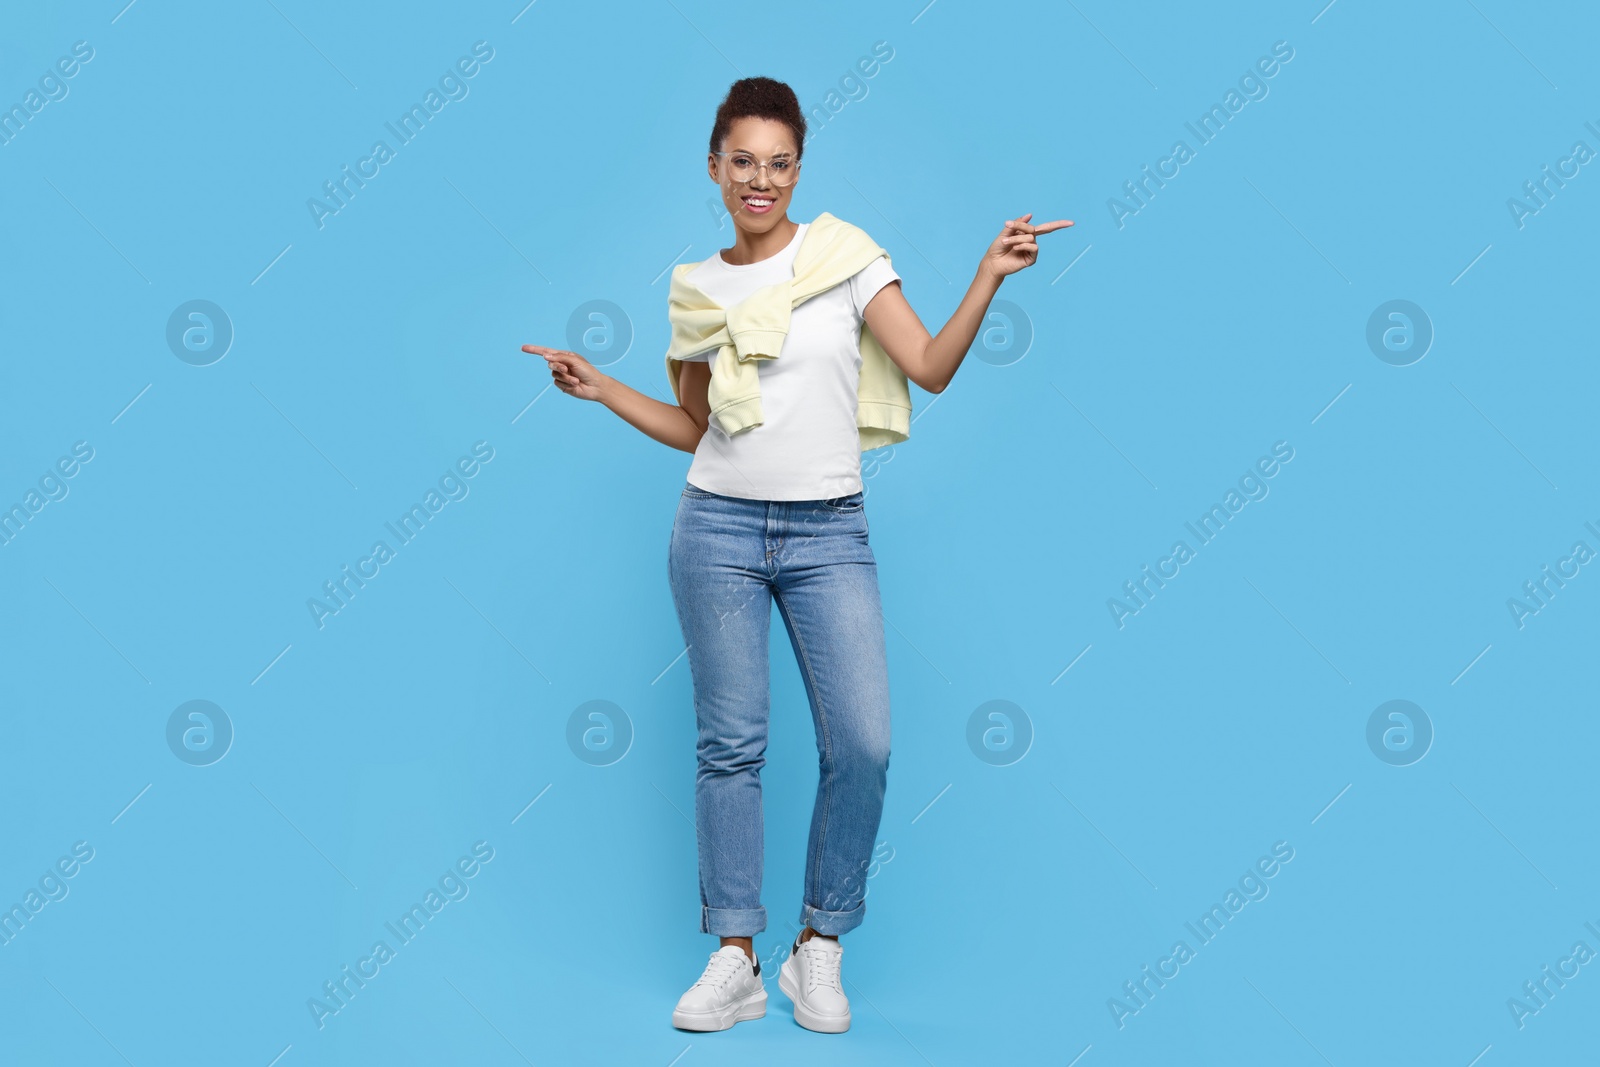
(1229,714)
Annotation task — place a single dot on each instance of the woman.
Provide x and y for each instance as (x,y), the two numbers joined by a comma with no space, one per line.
(790,355)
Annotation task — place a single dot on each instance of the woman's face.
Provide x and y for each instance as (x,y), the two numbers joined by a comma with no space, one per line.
(757,204)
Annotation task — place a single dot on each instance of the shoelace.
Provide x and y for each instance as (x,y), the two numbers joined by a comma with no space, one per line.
(722,967)
(823,965)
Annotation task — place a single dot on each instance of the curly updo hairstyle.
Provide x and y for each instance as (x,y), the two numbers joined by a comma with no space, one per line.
(761,98)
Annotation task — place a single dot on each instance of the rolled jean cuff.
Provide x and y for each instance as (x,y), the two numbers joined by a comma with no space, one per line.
(733,922)
(833,923)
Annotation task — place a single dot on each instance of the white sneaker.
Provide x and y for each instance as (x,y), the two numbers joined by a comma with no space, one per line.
(810,978)
(728,992)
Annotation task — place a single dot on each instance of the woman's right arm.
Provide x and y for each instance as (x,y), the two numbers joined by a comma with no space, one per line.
(677,425)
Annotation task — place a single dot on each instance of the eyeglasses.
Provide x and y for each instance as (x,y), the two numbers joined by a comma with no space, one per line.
(742,168)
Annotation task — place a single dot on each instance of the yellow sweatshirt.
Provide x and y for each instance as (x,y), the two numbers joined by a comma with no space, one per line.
(832,251)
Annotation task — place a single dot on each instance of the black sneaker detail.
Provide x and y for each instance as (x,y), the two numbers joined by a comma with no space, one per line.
(758,968)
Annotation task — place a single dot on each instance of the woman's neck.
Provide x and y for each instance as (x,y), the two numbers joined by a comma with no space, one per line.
(751,248)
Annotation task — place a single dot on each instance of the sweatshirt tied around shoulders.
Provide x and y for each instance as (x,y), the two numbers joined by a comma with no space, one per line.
(831,252)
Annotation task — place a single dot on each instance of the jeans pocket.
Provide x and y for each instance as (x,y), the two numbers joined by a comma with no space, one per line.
(845,505)
(698,494)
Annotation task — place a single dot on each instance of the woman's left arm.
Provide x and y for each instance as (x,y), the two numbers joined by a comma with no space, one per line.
(932,361)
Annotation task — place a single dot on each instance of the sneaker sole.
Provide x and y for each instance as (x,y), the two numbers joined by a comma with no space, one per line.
(822,1024)
(751,1006)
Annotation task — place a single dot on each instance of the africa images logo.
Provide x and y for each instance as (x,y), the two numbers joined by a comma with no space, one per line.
(453,886)
(452,86)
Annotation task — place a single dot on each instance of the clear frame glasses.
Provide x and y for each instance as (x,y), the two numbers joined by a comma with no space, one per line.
(742,167)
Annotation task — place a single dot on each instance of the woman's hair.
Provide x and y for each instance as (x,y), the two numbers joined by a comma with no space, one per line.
(761,98)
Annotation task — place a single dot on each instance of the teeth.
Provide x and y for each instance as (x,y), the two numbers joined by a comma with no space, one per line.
(757,202)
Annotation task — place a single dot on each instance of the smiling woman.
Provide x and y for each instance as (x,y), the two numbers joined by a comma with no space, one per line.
(756,143)
(791,354)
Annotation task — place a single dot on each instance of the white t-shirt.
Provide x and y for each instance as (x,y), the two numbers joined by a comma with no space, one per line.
(808,446)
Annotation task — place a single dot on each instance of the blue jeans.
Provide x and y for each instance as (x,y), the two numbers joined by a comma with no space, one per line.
(729,559)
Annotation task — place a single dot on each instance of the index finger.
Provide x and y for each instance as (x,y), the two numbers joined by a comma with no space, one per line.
(1046,227)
